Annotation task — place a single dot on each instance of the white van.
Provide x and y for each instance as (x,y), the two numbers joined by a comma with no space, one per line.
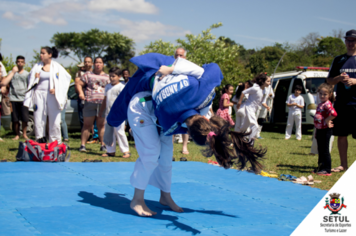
(283,85)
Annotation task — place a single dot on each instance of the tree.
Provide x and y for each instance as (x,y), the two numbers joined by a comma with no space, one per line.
(227,41)
(330,47)
(113,47)
(159,46)
(309,43)
(266,59)
(36,57)
(205,48)
(257,63)
(340,33)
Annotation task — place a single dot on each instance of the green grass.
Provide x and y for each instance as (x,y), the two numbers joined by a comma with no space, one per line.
(283,156)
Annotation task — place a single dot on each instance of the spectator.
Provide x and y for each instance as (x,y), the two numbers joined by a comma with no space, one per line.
(18,80)
(182,138)
(112,91)
(64,127)
(295,103)
(343,74)
(324,115)
(48,86)
(225,104)
(262,111)
(241,87)
(2,89)
(314,146)
(83,68)
(126,75)
(3,69)
(94,84)
(125,79)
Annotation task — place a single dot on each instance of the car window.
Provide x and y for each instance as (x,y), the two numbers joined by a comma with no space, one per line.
(274,83)
(72,95)
(312,84)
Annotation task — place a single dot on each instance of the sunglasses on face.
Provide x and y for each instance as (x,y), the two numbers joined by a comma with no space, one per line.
(350,41)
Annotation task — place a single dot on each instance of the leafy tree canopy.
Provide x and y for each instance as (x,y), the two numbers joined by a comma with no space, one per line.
(113,47)
(330,47)
(205,48)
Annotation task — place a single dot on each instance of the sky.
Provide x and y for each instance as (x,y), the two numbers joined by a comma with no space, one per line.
(29,24)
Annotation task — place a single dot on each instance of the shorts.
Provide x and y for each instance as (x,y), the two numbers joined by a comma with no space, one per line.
(92,109)
(344,123)
(19,112)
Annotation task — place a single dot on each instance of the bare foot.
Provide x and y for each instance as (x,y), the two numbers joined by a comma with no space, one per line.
(126,155)
(141,208)
(166,200)
(16,137)
(25,137)
(108,154)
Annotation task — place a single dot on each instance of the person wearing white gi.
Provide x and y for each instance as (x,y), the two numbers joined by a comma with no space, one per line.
(295,103)
(246,113)
(154,165)
(262,111)
(112,91)
(47,94)
(238,92)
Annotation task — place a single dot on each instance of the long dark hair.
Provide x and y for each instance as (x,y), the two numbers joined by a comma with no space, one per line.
(260,79)
(51,50)
(228,147)
(242,88)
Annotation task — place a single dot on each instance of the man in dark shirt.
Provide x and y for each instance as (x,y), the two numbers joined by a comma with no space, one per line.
(343,74)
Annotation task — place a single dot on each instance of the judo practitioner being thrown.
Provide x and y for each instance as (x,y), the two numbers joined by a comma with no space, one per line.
(174,101)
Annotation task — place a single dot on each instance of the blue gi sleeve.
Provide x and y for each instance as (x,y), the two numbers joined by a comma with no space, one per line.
(148,65)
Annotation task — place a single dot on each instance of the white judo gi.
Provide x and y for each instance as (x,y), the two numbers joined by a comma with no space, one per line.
(119,136)
(154,165)
(45,104)
(262,111)
(294,116)
(246,115)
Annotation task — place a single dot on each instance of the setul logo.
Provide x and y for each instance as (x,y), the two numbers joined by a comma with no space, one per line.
(335,222)
(335,205)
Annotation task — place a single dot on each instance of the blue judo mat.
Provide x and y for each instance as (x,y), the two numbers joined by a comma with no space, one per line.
(93,199)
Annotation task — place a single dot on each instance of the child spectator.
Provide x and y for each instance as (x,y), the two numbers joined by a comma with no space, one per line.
(324,115)
(112,91)
(295,103)
(225,104)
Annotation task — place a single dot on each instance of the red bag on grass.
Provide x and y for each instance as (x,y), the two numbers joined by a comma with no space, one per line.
(50,152)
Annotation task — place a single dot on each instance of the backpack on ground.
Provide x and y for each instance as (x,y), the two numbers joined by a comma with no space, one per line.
(50,152)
